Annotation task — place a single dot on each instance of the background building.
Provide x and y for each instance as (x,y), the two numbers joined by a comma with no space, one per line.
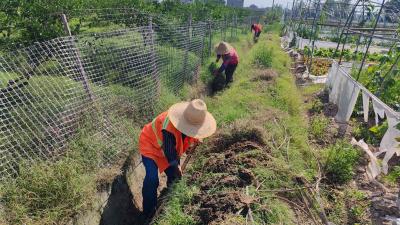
(235,3)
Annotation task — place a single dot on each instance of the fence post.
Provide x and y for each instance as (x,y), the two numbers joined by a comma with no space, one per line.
(236,26)
(225,25)
(85,81)
(154,73)
(231,25)
(187,45)
(203,40)
(210,38)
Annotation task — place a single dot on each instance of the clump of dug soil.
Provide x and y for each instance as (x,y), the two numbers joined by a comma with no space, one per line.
(216,208)
(229,160)
(266,75)
(218,82)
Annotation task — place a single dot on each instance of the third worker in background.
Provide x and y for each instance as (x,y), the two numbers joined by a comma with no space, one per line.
(230,60)
(257,28)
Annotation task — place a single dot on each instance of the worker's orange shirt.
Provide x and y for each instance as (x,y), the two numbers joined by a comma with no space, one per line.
(149,144)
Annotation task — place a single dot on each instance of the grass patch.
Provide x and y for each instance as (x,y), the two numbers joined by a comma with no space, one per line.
(47,193)
(340,162)
(393,176)
(263,56)
(318,126)
(174,215)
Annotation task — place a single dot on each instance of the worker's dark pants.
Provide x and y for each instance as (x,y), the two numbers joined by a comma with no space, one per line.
(230,69)
(151,182)
(257,34)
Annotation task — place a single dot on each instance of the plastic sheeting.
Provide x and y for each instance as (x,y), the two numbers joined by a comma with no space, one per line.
(389,144)
(347,100)
(366,98)
(373,168)
(337,82)
(344,91)
(379,111)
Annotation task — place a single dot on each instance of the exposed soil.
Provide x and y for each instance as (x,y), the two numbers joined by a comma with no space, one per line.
(229,160)
(217,208)
(218,83)
(266,76)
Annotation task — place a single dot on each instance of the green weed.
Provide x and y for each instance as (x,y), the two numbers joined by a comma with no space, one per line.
(340,161)
(174,215)
(318,126)
(263,57)
(394,175)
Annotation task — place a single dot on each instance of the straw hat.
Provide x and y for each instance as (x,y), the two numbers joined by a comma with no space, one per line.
(192,119)
(222,48)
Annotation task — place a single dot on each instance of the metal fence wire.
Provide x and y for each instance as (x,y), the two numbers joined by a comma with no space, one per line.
(50,91)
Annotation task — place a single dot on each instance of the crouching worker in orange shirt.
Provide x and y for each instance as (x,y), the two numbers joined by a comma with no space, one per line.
(163,141)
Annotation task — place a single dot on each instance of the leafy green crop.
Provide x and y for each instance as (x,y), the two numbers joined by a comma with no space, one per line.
(347,54)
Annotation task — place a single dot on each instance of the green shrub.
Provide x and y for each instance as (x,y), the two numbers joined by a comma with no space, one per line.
(371,135)
(318,126)
(263,57)
(317,106)
(394,175)
(341,159)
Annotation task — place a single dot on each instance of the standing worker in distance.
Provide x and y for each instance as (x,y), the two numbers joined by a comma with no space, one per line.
(163,141)
(230,60)
(257,28)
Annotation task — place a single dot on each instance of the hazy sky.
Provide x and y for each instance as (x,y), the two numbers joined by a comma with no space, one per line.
(267,3)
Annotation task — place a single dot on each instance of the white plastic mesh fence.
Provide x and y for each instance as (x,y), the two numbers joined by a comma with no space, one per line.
(51,91)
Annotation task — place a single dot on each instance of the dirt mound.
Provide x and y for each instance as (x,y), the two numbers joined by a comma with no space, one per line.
(239,133)
(218,82)
(229,160)
(268,75)
(216,208)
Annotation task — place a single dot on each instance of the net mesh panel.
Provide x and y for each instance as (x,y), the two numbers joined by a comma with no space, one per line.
(51,91)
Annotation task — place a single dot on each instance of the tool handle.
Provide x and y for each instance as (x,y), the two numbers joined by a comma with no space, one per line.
(187,159)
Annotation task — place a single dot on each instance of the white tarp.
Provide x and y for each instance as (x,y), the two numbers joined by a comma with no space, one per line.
(373,168)
(389,144)
(365,97)
(344,91)
(347,99)
(379,111)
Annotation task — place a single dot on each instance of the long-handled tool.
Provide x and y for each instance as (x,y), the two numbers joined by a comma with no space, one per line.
(188,157)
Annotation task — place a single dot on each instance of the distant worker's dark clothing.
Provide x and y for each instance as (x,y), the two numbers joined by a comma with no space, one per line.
(230,62)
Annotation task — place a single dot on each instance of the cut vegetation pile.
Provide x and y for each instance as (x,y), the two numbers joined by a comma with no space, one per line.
(227,166)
